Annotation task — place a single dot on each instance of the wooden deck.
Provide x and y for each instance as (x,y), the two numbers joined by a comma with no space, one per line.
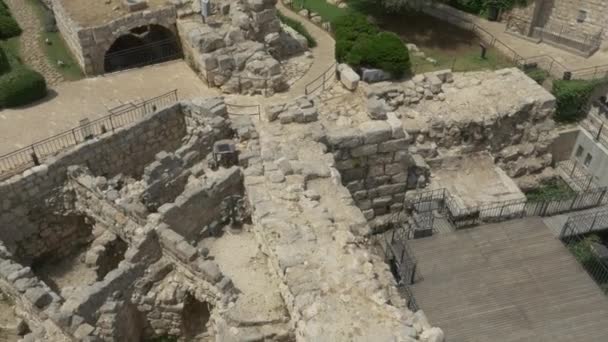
(512,281)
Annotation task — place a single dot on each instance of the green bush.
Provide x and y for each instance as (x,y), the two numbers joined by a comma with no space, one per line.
(349,28)
(8,27)
(384,50)
(572,98)
(296,25)
(5,66)
(537,74)
(21,86)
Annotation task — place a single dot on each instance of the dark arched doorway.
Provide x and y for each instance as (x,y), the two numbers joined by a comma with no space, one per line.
(143,45)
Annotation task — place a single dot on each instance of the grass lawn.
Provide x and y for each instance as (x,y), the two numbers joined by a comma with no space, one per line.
(553,190)
(326,10)
(57,49)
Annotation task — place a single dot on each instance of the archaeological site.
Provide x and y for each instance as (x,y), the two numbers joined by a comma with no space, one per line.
(292,196)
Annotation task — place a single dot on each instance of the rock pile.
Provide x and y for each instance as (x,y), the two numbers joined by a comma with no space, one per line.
(386,97)
(302,110)
(238,48)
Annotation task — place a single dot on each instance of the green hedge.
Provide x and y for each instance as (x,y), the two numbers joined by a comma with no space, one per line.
(537,74)
(361,44)
(8,26)
(5,66)
(347,29)
(384,50)
(296,25)
(21,86)
(572,98)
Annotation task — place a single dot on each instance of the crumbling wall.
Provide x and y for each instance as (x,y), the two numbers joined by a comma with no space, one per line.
(376,166)
(193,213)
(31,200)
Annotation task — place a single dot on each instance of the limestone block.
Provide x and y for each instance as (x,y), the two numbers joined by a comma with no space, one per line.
(377,108)
(349,78)
(345,138)
(38,296)
(210,270)
(375,131)
(364,150)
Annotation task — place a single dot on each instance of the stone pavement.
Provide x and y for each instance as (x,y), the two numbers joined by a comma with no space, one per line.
(30,48)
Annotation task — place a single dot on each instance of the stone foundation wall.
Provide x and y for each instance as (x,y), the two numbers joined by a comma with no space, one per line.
(27,199)
(376,166)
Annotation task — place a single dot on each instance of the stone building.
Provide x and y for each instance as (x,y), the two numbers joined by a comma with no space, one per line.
(579,26)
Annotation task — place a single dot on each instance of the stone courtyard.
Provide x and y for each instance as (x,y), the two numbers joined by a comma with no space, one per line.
(195,222)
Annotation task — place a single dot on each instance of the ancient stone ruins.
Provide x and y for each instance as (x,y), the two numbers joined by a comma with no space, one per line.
(239,47)
(194,223)
(197,225)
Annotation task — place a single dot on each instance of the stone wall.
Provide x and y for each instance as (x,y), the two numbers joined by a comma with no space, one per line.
(70,31)
(90,44)
(28,200)
(376,166)
(198,209)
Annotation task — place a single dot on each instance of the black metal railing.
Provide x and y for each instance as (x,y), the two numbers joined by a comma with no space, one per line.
(146,54)
(578,235)
(323,81)
(576,175)
(32,155)
(460,217)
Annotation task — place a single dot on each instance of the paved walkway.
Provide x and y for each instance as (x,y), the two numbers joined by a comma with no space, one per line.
(30,49)
(527,48)
(90,98)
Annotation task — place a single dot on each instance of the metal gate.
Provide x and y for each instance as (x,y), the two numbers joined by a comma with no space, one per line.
(146,54)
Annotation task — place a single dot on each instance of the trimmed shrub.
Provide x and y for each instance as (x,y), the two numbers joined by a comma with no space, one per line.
(384,50)
(537,74)
(8,27)
(572,98)
(21,86)
(347,30)
(298,27)
(5,66)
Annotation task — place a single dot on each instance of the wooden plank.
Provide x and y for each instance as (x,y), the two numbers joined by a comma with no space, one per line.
(512,281)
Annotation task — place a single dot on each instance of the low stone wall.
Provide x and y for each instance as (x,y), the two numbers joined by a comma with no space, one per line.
(70,31)
(376,166)
(201,205)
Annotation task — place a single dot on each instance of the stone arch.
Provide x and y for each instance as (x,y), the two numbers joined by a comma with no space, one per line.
(140,46)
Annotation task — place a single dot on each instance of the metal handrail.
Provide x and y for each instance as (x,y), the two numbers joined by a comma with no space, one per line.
(32,155)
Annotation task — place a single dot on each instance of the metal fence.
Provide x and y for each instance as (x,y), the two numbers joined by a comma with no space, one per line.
(595,123)
(146,54)
(323,81)
(22,159)
(586,249)
(460,217)
(576,175)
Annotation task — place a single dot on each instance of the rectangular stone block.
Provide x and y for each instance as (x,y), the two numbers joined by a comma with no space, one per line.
(365,150)
(393,145)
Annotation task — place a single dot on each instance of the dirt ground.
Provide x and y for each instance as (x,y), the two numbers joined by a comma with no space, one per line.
(96,12)
(239,258)
(69,273)
(475,180)
(431,33)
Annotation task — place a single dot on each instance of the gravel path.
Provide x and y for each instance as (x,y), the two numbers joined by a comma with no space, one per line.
(30,50)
